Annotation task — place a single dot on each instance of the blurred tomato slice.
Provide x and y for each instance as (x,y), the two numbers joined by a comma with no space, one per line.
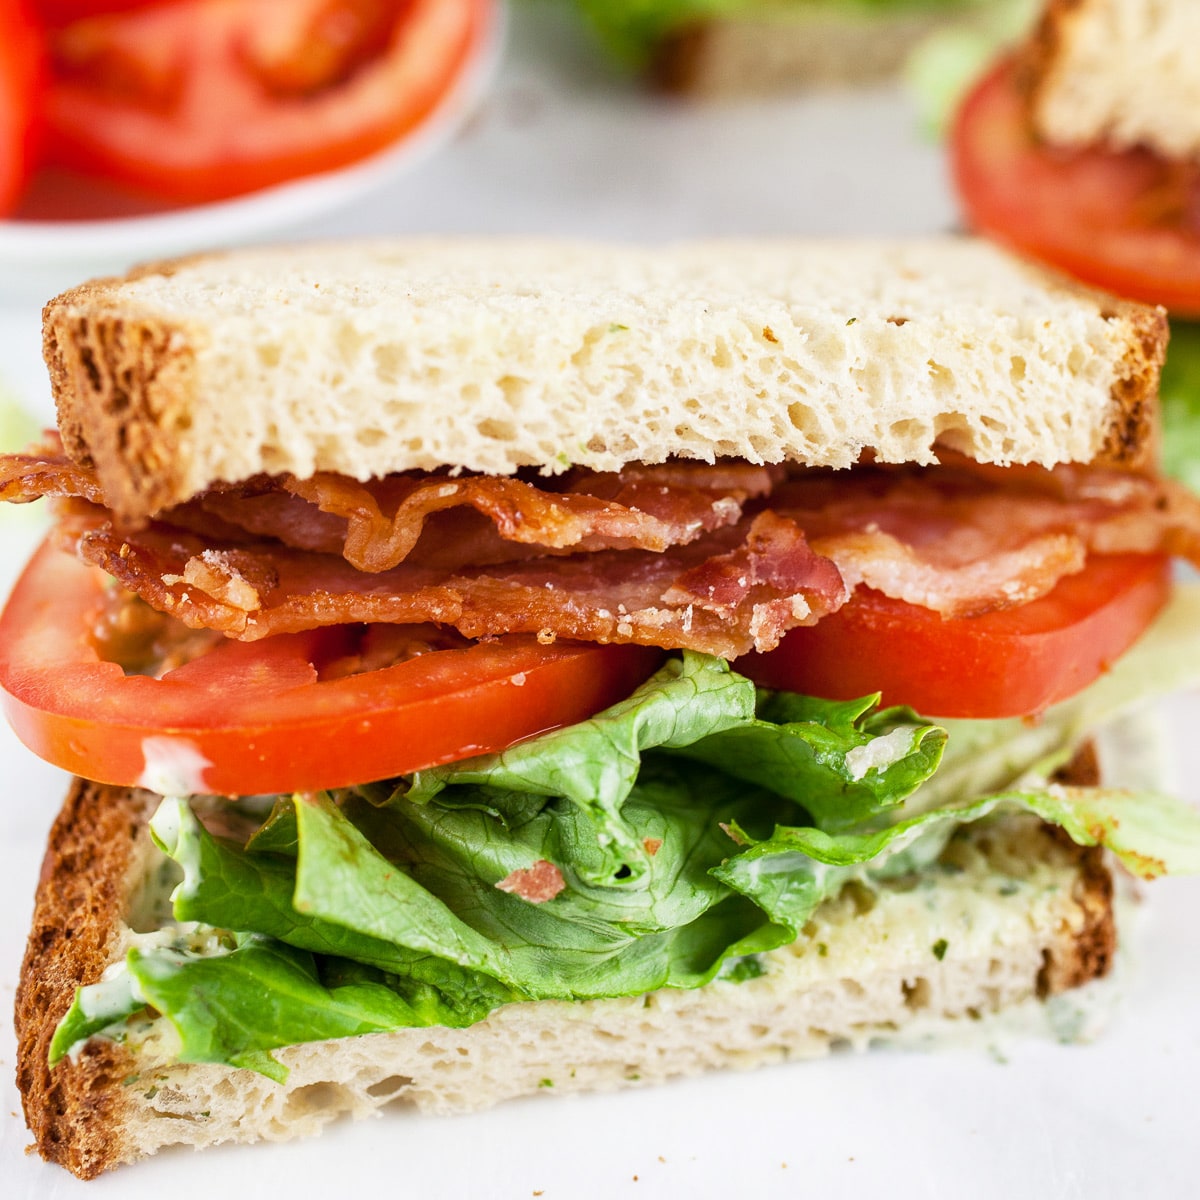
(60,12)
(198,100)
(22,76)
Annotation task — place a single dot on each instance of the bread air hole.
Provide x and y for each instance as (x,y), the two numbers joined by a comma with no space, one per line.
(390,1088)
(349,342)
(917,994)
(315,1098)
(270,355)
(911,429)
(802,417)
(500,431)
(389,360)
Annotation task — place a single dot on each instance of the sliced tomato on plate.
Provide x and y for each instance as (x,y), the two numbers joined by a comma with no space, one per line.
(1012,662)
(1127,221)
(260,717)
(22,80)
(199,100)
(60,12)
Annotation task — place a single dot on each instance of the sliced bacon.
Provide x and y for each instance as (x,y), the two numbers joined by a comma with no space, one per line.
(378,524)
(766,582)
(46,471)
(659,555)
(963,541)
(480,520)
(537,884)
(385,518)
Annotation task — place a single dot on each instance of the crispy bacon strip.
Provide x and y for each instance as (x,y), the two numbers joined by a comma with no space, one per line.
(378,524)
(724,593)
(385,518)
(963,541)
(959,539)
(46,471)
(537,884)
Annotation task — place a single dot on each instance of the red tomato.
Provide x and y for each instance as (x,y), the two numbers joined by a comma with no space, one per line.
(22,78)
(60,12)
(1003,664)
(198,100)
(254,717)
(1126,221)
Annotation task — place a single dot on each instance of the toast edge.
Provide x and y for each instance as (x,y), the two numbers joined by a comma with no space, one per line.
(77,1111)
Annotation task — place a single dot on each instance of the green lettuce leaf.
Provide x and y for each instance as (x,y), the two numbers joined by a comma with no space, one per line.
(845,763)
(790,873)
(412,889)
(238,1007)
(595,764)
(1180,395)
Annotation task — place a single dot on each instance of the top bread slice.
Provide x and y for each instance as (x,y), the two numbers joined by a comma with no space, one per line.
(1119,72)
(375,357)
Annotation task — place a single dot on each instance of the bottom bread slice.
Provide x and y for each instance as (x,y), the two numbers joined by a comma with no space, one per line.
(1011,911)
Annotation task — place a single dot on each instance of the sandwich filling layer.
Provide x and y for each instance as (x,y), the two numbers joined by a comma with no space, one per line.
(670,841)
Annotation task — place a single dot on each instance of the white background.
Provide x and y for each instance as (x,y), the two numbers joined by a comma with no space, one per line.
(561,147)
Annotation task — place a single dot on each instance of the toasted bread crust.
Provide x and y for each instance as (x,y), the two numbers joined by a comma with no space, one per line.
(1135,433)
(1089,955)
(1038,54)
(76,1114)
(123,385)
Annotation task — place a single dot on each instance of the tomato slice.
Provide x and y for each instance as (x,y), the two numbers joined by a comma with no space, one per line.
(1127,221)
(255,718)
(60,12)
(199,100)
(1009,663)
(22,80)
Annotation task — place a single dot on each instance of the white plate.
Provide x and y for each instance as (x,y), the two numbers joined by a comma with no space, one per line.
(33,251)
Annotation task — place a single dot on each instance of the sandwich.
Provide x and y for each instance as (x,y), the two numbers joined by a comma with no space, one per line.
(492,663)
(727,48)
(1082,150)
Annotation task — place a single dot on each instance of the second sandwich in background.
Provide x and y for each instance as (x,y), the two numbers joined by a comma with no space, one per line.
(1083,151)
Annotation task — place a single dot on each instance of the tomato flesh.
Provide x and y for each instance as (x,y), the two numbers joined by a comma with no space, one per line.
(1127,221)
(256,718)
(60,12)
(199,100)
(22,80)
(1013,662)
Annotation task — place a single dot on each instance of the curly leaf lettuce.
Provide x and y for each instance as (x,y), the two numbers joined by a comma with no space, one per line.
(790,873)
(595,764)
